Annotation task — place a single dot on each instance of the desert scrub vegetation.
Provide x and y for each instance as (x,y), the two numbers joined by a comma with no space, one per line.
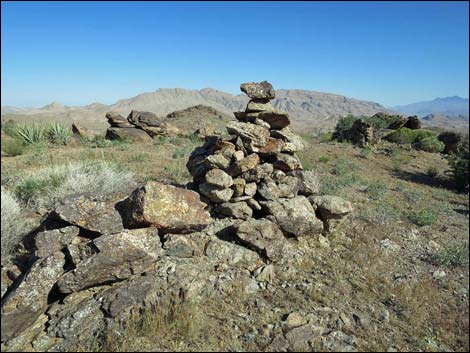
(422,217)
(13,147)
(378,121)
(43,187)
(459,164)
(13,226)
(452,255)
(99,141)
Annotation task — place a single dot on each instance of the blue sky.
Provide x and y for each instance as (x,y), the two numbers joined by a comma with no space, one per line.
(79,53)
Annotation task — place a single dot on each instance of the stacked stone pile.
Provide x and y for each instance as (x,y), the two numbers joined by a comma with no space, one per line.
(254,171)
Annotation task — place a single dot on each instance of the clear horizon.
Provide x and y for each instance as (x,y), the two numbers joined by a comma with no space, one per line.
(80,53)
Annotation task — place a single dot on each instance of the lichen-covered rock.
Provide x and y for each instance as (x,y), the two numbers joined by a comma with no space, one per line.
(256,105)
(286,162)
(166,207)
(215,193)
(184,245)
(252,135)
(238,187)
(238,210)
(89,212)
(261,90)
(219,178)
(220,251)
(331,209)
(309,182)
(120,256)
(217,161)
(28,300)
(293,142)
(50,241)
(263,236)
(296,216)
(271,189)
(272,147)
(262,171)
(243,165)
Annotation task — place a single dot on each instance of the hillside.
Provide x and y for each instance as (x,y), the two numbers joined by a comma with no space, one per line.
(308,109)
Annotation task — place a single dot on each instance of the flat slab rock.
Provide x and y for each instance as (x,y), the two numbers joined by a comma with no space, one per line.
(119,257)
(90,213)
(166,207)
(258,90)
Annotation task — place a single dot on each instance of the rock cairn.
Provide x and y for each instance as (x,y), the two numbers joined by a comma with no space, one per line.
(254,171)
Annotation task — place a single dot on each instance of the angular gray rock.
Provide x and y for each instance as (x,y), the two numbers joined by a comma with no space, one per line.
(248,163)
(252,135)
(166,207)
(286,162)
(219,178)
(263,236)
(238,210)
(296,216)
(28,300)
(271,189)
(215,194)
(120,256)
(332,210)
(89,212)
(51,241)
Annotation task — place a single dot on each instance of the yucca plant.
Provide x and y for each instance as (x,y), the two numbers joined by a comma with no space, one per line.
(31,133)
(59,133)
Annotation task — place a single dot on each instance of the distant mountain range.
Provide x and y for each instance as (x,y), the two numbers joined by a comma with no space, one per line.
(308,109)
(449,106)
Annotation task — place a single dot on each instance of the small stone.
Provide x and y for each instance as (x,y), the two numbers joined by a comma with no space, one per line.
(250,189)
(235,210)
(217,161)
(254,204)
(215,194)
(293,320)
(439,274)
(385,315)
(238,155)
(219,178)
(286,162)
(265,273)
(238,186)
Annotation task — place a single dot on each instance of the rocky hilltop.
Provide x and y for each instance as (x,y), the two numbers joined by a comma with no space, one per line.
(93,263)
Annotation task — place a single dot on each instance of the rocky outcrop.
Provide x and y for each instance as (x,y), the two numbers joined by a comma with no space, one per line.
(451,141)
(138,127)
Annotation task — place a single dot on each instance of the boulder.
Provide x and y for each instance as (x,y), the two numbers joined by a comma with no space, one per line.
(135,135)
(144,119)
(166,207)
(117,120)
(219,178)
(295,216)
(332,210)
(89,212)
(28,300)
(238,210)
(80,131)
(263,236)
(51,241)
(261,90)
(451,141)
(413,123)
(119,257)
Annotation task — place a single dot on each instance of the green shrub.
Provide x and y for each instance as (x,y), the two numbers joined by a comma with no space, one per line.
(323,159)
(58,133)
(422,217)
(409,136)
(459,163)
(430,144)
(326,137)
(13,147)
(377,121)
(452,255)
(376,190)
